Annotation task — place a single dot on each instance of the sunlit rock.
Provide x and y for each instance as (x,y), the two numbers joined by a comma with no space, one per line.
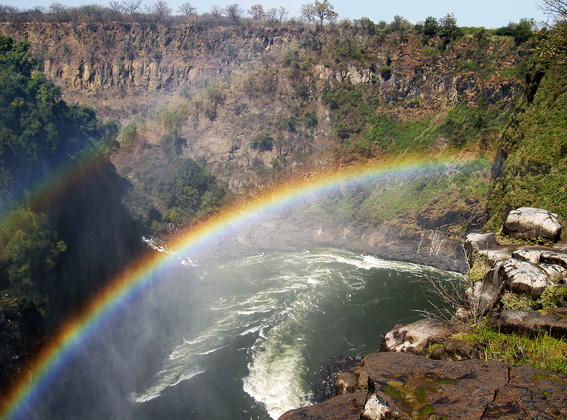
(531,223)
(416,337)
(524,278)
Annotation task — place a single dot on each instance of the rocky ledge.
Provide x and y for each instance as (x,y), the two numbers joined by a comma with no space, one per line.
(424,371)
(406,386)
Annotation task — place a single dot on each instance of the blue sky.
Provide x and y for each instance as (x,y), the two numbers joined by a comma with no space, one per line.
(487,13)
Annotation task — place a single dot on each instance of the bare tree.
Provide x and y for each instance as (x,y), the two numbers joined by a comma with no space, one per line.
(161,9)
(187,10)
(256,11)
(272,15)
(234,12)
(115,6)
(555,8)
(282,13)
(131,6)
(308,12)
(57,8)
(217,11)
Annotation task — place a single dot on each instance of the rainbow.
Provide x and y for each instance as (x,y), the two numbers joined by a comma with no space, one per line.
(147,270)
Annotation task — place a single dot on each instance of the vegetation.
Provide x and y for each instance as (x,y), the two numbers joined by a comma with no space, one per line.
(39,135)
(531,167)
(541,352)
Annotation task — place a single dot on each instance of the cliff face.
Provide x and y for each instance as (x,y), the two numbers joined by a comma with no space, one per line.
(122,68)
(261,104)
(119,67)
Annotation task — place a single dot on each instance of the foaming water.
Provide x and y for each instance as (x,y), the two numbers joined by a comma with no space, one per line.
(238,340)
(282,301)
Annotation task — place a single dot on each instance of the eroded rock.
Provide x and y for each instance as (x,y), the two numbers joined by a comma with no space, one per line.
(531,223)
(416,337)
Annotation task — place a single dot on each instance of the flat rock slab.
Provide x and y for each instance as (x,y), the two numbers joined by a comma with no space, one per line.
(406,386)
(531,394)
(550,321)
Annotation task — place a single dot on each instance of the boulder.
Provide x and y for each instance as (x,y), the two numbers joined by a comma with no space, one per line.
(416,337)
(546,321)
(531,223)
(524,278)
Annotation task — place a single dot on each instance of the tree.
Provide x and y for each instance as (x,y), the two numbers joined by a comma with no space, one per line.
(161,9)
(234,12)
(324,11)
(116,6)
(131,6)
(257,12)
(555,8)
(217,11)
(282,13)
(272,15)
(430,27)
(308,12)
(449,30)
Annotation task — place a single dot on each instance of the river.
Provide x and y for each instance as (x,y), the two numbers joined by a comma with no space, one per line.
(238,339)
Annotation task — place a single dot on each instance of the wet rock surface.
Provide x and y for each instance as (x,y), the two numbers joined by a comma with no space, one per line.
(328,374)
(406,386)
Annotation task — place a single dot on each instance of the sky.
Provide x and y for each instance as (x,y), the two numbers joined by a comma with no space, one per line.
(487,13)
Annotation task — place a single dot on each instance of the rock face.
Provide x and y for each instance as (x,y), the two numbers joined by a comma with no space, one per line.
(405,386)
(532,223)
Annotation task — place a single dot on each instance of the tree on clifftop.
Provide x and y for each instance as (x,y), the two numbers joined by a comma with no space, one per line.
(324,10)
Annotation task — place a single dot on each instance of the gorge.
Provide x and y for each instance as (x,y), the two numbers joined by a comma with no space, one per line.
(231,136)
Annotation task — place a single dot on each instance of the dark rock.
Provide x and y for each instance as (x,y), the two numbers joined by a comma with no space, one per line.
(455,351)
(530,394)
(554,258)
(416,337)
(343,407)
(328,374)
(550,321)
(531,223)
(406,386)
(22,331)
